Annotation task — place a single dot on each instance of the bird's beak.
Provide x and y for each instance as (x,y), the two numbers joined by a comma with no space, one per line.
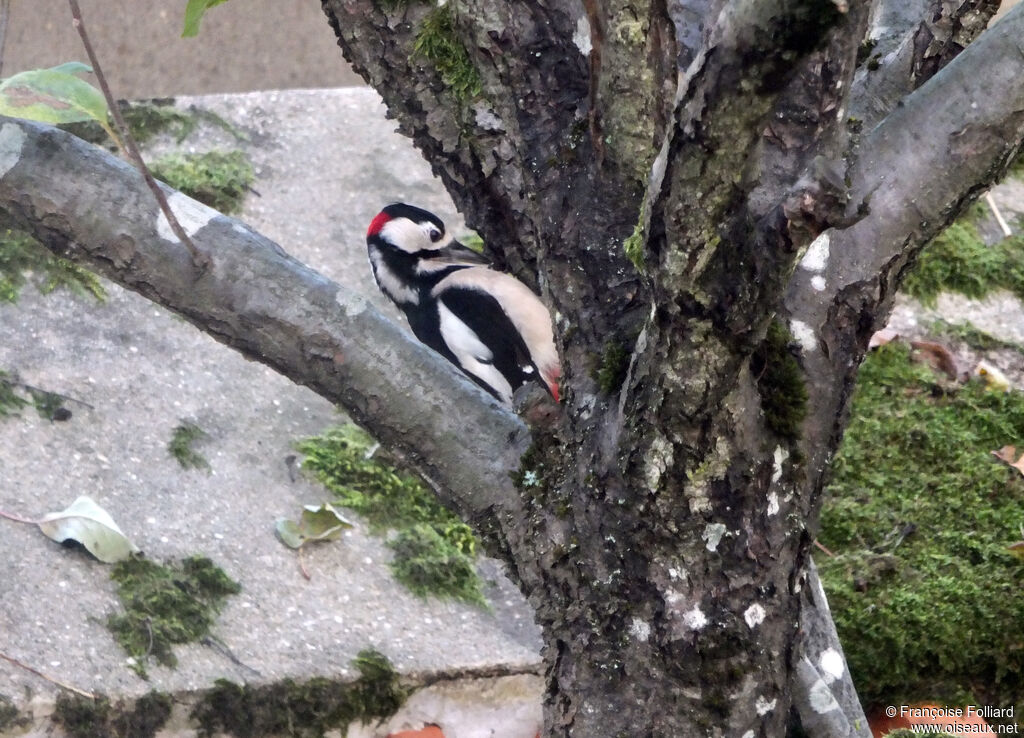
(455,252)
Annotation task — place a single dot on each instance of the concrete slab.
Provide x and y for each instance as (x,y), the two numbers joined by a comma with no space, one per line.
(326,161)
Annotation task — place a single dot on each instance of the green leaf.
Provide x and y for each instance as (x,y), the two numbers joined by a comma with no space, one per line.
(89,524)
(323,523)
(194,12)
(53,96)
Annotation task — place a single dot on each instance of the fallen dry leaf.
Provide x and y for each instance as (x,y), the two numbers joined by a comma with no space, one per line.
(1008,455)
(937,356)
(89,524)
(994,379)
(882,337)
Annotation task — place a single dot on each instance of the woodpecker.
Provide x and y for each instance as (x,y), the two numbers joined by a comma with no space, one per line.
(487,323)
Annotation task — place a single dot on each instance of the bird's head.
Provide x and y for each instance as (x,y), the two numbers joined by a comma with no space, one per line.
(417,233)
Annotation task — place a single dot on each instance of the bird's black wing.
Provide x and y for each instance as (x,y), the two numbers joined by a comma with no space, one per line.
(484,315)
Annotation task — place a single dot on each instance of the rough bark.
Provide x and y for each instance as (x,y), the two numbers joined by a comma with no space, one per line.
(909,41)
(661,529)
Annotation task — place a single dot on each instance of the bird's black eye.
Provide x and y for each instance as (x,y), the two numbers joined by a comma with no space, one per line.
(435,235)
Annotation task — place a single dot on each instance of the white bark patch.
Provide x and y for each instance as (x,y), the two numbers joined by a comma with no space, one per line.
(640,630)
(352,303)
(659,458)
(754,615)
(804,334)
(818,283)
(488,119)
(816,257)
(821,698)
(12,139)
(748,734)
(779,456)
(764,705)
(582,36)
(712,535)
(773,504)
(694,619)
(830,663)
(824,599)
(191,214)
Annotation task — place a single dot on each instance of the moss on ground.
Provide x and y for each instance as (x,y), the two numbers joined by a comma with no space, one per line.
(434,550)
(165,605)
(217,178)
(181,446)
(23,261)
(302,709)
(15,395)
(81,717)
(427,562)
(9,715)
(926,596)
(438,42)
(958,260)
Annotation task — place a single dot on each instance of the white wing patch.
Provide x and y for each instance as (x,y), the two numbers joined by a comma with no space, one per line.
(472,353)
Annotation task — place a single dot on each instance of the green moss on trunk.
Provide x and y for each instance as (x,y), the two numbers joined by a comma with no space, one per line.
(438,42)
(780,382)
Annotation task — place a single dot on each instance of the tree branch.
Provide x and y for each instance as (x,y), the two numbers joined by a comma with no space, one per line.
(261,302)
(911,40)
(968,119)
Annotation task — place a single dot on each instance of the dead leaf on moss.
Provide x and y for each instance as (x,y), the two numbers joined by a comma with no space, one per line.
(1008,455)
(882,337)
(937,356)
(994,379)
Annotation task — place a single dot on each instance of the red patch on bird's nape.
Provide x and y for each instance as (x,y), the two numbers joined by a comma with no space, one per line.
(377,223)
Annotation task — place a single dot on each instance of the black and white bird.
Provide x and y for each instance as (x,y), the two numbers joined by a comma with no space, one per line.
(487,323)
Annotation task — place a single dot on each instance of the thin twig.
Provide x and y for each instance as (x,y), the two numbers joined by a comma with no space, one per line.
(821,546)
(221,647)
(40,390)
(5,14)
(40,674)
(199,259)
(999,216)
(302,565)
(17,518)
